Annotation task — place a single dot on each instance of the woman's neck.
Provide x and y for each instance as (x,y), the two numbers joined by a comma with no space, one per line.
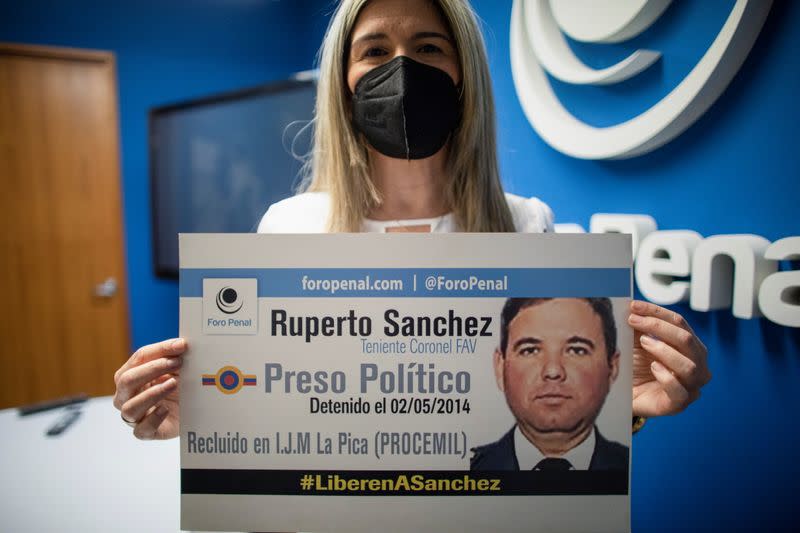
(410,188)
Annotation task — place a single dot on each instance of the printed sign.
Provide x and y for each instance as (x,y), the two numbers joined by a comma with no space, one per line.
(409,382)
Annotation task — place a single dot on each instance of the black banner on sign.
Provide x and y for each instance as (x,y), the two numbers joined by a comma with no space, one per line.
(404,483)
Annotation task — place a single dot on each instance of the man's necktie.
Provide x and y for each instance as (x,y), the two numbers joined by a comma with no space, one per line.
(553,464)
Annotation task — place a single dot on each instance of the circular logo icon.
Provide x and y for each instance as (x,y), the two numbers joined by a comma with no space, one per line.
(229,379)
(228,301)
(539,48)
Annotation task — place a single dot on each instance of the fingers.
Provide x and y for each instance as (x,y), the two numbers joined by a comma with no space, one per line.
(167,348)
(128,384)
(680,358)
(147,428)
(671,328)
(642,308)
(686,370)
(138,406)
(678,397)
(680,338)
(132,380)
(668,327)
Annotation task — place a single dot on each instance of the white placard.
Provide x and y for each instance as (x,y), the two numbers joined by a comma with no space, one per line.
(405,382)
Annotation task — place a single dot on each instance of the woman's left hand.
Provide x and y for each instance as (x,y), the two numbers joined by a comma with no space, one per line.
(669,361)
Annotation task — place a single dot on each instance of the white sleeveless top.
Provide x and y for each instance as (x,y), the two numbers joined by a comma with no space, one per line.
(308,213)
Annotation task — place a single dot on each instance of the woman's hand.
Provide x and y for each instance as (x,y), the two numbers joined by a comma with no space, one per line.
(669,361)
(147,389)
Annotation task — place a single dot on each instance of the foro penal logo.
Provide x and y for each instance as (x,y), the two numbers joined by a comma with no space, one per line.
(228,301)
(538,48)
(229,380)
(230,306)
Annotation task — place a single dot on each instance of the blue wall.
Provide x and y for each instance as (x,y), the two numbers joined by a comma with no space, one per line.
(167,51)
(729,462)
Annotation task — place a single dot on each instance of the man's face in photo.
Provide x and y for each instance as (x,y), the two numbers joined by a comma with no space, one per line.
(556,370)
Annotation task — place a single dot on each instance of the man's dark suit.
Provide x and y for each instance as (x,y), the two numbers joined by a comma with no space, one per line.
(501,455)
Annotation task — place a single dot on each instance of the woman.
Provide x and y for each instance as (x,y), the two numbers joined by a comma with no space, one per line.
(405,141)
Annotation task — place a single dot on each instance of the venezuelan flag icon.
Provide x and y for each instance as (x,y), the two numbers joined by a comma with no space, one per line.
(229,380)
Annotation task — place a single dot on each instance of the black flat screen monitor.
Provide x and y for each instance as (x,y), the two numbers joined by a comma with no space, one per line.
(217,163)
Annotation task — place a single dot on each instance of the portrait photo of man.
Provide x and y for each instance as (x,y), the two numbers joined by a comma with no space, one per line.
(555,364)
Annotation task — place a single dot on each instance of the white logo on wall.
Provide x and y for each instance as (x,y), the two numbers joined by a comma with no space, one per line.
(538,47)
(230,306)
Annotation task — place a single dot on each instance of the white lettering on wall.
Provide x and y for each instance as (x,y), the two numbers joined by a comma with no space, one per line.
(740,272)
(779,295)
(719,281)
(663,256)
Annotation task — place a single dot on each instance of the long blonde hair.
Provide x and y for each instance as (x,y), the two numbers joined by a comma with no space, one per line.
(339,161)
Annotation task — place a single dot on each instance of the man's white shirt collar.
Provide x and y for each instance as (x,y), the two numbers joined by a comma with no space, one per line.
(528,455)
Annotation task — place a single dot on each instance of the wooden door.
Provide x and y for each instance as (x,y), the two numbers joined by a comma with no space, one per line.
(62,330)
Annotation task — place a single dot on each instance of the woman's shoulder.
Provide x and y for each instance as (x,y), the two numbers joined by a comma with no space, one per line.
(530,215)
(303,213)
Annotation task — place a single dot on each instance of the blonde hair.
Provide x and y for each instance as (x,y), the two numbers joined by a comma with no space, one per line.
(339,161)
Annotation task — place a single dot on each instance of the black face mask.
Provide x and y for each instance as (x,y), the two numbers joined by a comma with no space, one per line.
(406,109)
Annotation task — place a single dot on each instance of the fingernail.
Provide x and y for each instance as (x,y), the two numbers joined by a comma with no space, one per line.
(636,305)
(657,367)
(171,382)
(177,344)
(174,362)
(647,339)
(635,319)
(161,411)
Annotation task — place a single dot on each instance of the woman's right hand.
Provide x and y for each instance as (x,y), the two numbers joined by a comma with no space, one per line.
(147,389)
